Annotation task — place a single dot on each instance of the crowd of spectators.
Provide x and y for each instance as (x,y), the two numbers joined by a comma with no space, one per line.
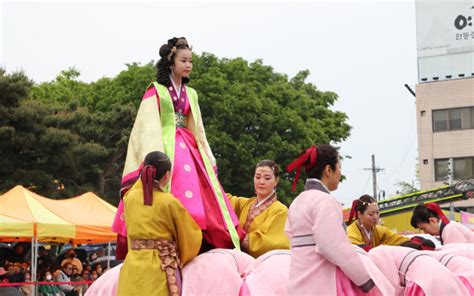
(15,268)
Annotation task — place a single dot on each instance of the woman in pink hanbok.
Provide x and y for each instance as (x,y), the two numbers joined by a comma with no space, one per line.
(263,218)
(323,261)
(169,120)
(431,219)
(461,266)
(415,273)
(464,250)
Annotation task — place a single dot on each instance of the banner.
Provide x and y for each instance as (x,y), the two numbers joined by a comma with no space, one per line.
(444,27)
(467,219)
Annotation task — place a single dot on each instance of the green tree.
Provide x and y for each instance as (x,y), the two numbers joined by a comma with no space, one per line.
(406,188)
(252,113)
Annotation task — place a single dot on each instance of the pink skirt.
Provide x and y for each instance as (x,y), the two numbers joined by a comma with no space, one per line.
(217,272)
(106,284)
(193,188)
(269,276)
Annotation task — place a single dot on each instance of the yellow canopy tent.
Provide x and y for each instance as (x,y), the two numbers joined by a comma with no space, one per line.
(84,219)
(27,216)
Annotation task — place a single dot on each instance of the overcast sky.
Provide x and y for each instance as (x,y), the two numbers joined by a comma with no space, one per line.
(363,51)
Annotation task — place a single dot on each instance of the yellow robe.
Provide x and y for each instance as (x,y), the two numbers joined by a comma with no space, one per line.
(380,235)
(167,219)
(267,231)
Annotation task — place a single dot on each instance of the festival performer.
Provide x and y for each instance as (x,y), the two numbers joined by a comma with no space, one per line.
(162,236)
(323,260)
(169,120)
(262,217)
(412,272)
(366,231)
(431,219)
(459,249)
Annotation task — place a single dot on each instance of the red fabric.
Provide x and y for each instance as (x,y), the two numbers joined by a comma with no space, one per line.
(435,208)
(121,248)
(147,176)
(307,159)
(366,247)
(353,213)
(417,240)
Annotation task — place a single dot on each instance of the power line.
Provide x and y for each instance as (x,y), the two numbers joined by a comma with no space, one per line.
(374,170)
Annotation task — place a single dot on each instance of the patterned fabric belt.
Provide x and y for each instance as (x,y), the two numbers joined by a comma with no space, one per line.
(303,241)
(180,119)
(139,244)
(405,265)
(169,257)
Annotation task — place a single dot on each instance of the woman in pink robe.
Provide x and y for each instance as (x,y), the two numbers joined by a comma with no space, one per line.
(464,250)
(323,261)
(431,219)
(462,267)
(412,272)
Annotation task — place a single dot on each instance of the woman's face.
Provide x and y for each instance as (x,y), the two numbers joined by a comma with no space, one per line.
(431,228)
(183,63)
(333,176)
(264,181)
(370,217)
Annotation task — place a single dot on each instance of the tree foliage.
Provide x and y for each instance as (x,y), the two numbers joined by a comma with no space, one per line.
(65,137)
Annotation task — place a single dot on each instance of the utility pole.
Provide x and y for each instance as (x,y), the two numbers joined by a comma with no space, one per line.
(374,170)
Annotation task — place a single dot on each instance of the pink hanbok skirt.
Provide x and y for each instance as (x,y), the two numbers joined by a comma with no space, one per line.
(269,276)
(217,272)
(106,284)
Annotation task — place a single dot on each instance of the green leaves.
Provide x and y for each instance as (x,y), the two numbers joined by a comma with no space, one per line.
(252,113)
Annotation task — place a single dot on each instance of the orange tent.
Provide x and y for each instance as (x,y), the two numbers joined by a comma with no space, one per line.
(84,219)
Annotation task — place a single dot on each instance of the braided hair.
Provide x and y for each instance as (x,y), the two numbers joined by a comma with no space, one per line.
(168,53)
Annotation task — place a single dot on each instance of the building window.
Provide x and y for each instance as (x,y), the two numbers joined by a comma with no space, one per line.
(463,168)
(453,119)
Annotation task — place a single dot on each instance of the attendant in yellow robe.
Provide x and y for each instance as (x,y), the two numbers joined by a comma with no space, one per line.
(162,236)
(365,230)
(263,217)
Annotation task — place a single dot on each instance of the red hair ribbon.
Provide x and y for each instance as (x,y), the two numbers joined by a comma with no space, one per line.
(307,159)
(435,208)
(353,213)
(147,176)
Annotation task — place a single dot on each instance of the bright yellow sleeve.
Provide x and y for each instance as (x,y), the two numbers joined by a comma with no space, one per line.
(269,232)
(389,237)
(354,234)
(187,233)
(237,203)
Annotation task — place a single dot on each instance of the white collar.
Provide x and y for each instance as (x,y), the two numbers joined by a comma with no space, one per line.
(177,90)
(259,202)
(319,181)
(367,232)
